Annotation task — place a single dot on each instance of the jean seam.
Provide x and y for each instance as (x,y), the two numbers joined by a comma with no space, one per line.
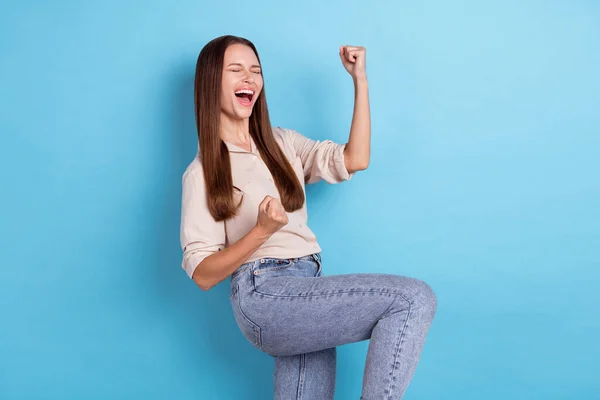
(398,348)
(302,376)
(255,328)
(331,293)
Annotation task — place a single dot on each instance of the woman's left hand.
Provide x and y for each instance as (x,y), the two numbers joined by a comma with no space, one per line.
(354,60)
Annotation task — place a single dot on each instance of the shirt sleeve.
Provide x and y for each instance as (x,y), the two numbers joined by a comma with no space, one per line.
(320,159)
(200,234)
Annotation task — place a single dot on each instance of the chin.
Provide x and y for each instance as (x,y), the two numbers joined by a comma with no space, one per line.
(244,113)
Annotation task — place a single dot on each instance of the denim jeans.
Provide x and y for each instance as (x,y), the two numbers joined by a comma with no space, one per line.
(289,310)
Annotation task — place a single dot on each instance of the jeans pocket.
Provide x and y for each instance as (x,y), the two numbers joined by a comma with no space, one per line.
(319,261)
(272,266)
(249,329)
(270,274)
(233,291)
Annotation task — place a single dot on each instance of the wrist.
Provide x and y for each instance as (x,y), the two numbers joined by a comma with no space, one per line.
(360,81)
(260,233)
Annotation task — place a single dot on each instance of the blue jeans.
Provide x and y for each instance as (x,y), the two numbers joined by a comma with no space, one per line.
(289,310)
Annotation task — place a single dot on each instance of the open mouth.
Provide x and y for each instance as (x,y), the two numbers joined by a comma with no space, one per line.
(245,96)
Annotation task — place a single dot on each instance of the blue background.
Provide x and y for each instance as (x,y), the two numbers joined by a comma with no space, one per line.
(484,182)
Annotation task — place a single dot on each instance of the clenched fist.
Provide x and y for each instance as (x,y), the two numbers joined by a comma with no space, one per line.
(271,215)
(354,60)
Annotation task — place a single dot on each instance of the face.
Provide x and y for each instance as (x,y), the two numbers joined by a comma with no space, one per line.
(242,81)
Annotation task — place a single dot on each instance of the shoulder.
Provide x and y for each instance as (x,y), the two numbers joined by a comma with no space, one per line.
(279,133)
(286,137)
(284,133)
(194,172)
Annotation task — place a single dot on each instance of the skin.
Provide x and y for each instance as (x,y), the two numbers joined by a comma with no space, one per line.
(241,69)
(358,149)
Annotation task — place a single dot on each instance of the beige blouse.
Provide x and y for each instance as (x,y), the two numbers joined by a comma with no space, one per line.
(201,235)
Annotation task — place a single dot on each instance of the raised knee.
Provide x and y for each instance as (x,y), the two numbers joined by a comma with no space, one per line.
(424,298)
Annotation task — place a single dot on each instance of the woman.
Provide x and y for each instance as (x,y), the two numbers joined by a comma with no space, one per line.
(244,216)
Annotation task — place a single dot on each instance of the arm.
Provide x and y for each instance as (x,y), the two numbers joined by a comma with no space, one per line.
(218,266)
(358,149)
(326,159)
(320,159)
(205,258)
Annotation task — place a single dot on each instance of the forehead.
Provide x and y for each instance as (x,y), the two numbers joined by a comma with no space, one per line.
(240,53)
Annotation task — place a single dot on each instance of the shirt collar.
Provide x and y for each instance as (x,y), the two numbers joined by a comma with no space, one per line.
(235,149)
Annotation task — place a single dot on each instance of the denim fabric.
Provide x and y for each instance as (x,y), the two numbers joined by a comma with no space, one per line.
(289,310)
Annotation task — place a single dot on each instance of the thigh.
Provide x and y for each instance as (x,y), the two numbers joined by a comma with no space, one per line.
(301,314)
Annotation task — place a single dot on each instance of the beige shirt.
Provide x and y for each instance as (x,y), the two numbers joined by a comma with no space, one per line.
(202,236)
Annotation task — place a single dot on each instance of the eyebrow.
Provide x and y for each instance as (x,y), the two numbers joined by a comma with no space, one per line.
(240,65)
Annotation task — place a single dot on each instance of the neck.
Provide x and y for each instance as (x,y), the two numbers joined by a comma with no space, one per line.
(235,130)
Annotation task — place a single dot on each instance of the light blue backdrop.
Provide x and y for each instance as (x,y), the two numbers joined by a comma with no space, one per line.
(484,182)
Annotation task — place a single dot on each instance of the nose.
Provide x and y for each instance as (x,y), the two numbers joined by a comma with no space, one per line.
(248,78)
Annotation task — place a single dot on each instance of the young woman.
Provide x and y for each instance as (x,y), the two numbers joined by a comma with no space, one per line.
(244,216)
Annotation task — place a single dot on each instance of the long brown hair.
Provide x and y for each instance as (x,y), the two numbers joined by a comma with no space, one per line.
(214,154)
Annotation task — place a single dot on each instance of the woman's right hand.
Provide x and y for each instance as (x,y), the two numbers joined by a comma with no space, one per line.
(271,215)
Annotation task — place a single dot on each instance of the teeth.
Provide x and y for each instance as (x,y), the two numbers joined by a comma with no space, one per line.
(245,91)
